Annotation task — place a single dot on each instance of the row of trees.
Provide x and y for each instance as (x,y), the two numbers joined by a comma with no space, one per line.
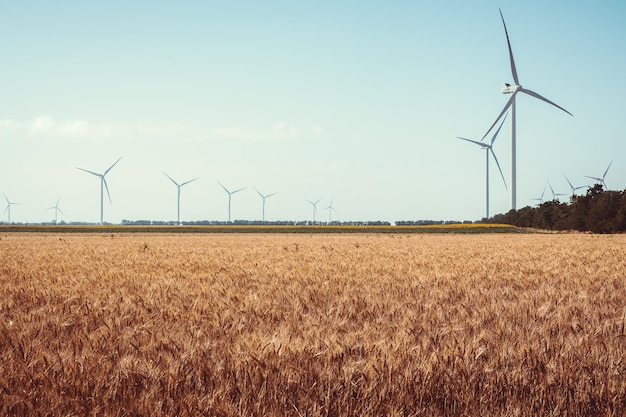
(598,211)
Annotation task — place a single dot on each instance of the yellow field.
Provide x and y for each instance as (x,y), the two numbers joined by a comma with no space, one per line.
(312,325)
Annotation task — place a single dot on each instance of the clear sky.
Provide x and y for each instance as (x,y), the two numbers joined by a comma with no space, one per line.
(359,101)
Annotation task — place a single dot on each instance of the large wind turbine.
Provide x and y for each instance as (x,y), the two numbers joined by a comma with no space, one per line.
(8,208)
(56,210)
(489,148)
(264,197)
(314,204)
(513,90)
(601,180)
(230,194)
(103,185)
(178,186)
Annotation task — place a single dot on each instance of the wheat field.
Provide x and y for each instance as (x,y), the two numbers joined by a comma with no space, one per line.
(312,325)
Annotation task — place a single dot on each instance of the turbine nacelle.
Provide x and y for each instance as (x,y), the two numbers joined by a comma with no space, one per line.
(509,88)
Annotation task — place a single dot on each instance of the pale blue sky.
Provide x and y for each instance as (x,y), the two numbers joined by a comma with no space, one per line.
(358,101)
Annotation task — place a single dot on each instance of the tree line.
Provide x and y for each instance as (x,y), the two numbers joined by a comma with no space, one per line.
(599,211)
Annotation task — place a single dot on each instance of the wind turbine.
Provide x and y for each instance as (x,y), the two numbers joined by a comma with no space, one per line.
(330,209)
(601,180)
(314,204)
(489,148)
(230,194)
(8,208)
(572,187)
(56,210)
(103,185)
(513,90)
(264,197)
(179,186)
(540,199)
(554,195)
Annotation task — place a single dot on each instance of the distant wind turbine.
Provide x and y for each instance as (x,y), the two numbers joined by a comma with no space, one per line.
(513,90)
(230,194)
(264,197)
(8,208)
(540,199)
(56,210)
(572,188)
(489,148)
(330,209)
(103,185)
(314,204)
(554,195)
(178,186)
(601,180)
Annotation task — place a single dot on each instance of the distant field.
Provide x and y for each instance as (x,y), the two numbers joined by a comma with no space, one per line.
(155,324)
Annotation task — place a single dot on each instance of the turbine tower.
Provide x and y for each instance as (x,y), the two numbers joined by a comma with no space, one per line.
(264,197)
(8,208)
(56,210)
(601,180)
(489,148)
(513,90)
(230,194)
(314,204)
(179,186)
(103,185)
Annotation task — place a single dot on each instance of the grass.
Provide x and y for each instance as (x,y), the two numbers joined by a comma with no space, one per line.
(312,325)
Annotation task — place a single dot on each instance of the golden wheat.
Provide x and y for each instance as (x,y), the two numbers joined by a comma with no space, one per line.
(312,325)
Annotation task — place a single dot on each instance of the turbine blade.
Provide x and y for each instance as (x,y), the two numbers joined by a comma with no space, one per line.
(499,169)
(171,179)
(594,178)
(481,144)
(107,188)
(236,191)
(493,139)
(569,182)
(187,182)
(506,107)
(607,169)
(540,97)
(111,167)
(225,189)
(6,198)
(269,195)
(91,172)
(513,70)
